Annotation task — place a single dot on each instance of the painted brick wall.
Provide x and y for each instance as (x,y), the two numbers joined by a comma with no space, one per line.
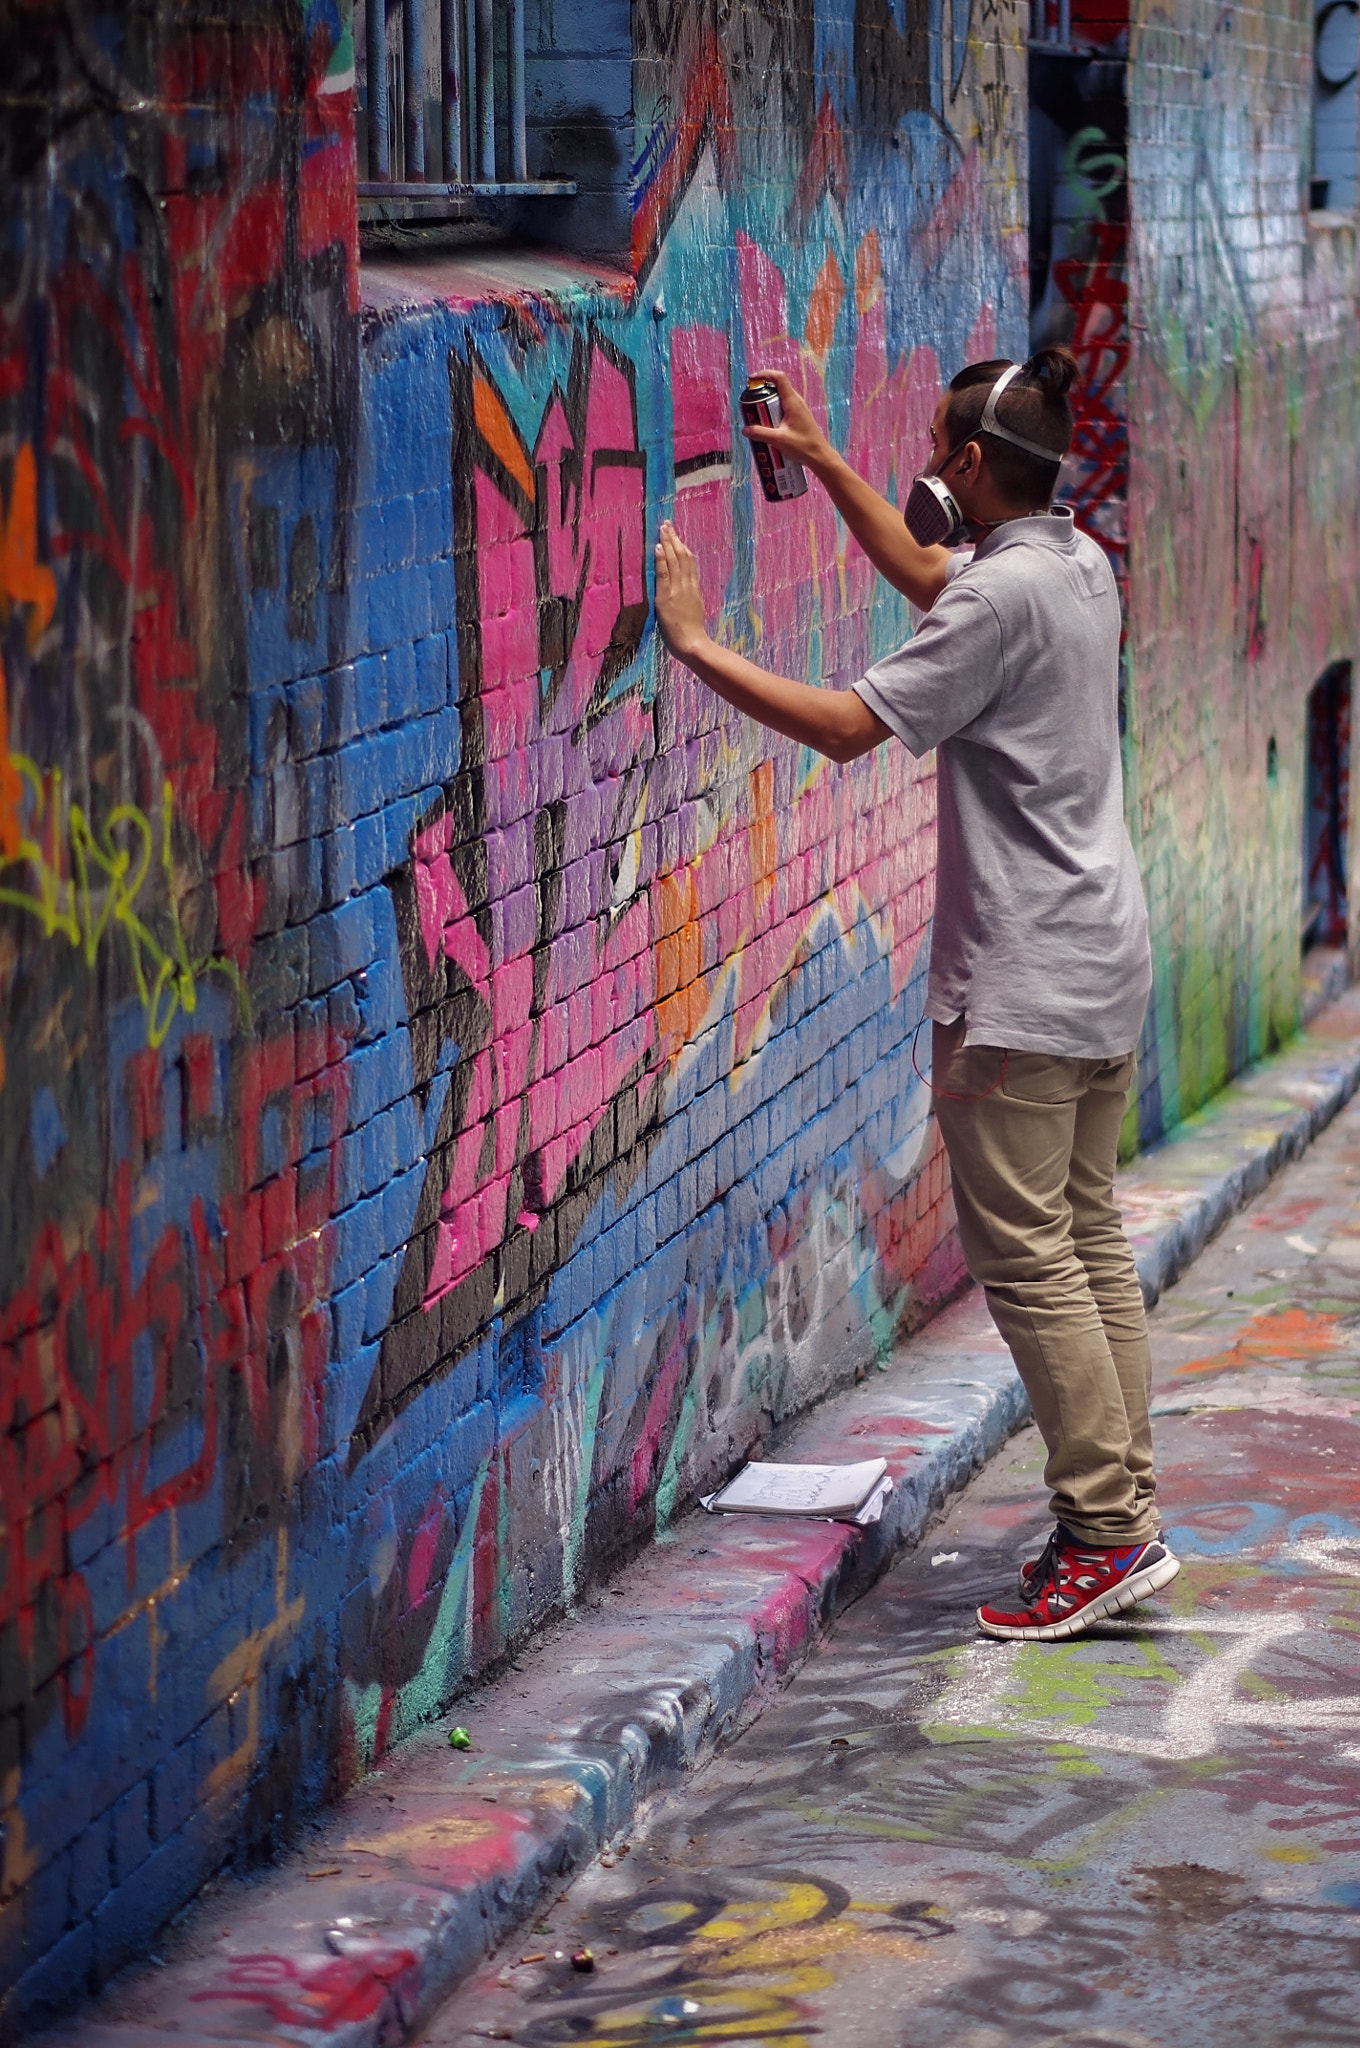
(178,343)
(1215,458)
(1244,405)
(456,1091)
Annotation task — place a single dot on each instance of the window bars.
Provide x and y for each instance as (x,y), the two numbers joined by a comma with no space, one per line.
(482,132)
(1050,22)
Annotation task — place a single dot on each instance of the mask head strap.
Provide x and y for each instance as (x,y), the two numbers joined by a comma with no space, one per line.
(989,423)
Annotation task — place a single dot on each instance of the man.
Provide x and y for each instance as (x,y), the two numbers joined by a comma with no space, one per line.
(1040,969)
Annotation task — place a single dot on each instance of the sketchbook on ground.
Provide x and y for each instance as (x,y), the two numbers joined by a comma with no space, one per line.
(833,1493)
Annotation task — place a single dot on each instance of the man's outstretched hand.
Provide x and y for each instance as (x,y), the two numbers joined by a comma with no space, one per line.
(679,599)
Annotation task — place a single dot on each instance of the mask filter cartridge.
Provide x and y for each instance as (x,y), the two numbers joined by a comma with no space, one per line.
(932,515)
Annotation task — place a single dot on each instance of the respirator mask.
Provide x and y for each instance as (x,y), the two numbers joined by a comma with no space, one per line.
(932,514)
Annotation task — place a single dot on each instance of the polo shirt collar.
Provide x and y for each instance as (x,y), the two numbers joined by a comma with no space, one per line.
(1053,529)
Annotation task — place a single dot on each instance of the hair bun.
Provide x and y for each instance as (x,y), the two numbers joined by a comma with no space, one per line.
(1056,369)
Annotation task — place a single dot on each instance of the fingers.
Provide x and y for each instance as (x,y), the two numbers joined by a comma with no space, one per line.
(677,568)
(672,548)
(679,600)
(787,396)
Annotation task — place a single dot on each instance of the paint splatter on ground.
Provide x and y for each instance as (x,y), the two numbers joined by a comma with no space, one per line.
(1148,1838)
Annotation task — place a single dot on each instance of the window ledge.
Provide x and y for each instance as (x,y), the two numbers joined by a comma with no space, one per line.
(383,200)
(399,280)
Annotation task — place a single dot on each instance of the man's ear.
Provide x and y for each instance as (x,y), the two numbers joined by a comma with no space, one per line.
(970,462)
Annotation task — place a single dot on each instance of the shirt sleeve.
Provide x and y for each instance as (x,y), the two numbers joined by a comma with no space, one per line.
(948,674)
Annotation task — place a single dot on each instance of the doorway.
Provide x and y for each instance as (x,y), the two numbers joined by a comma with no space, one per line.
(1326,805)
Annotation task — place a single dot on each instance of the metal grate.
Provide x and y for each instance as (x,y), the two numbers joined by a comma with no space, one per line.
(482,99)
(1050,23)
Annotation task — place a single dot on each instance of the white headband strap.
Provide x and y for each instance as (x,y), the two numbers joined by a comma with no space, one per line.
(989,423)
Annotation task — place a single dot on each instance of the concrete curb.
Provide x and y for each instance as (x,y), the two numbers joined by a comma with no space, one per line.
(1180,1194)
(436,1858)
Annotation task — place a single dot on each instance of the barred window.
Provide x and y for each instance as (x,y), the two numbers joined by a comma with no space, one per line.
(1336,108)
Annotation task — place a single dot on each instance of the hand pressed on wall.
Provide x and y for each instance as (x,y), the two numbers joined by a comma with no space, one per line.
(838,723)
(679,598)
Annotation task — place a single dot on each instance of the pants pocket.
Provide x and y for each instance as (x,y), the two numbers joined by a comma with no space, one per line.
(1042,1077)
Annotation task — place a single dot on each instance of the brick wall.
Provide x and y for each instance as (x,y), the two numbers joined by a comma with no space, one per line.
(1173,248)
(457,1090)
(1244,385)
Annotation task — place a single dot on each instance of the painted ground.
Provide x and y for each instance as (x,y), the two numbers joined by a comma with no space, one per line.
(1149,1838)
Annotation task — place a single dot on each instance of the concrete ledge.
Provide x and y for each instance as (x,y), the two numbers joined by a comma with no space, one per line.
(1180,1194)
(438,1856)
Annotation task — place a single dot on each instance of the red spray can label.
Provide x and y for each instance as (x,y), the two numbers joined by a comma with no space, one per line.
(779,478)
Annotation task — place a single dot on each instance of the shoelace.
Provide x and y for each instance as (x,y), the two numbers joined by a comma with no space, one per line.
(1045,1566)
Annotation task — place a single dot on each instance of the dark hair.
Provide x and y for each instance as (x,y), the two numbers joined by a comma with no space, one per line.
(1036,405)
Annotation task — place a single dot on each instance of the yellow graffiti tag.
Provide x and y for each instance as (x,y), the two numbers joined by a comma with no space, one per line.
(84,883)
(18,1857)
(786,1937)
(240,1672)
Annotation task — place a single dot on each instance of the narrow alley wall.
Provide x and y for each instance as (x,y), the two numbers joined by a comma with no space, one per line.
(457,1091)
(1243,489)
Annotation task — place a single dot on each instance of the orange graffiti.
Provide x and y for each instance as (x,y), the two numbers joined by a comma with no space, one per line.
(1278,1337)
(868,272)
(27,581)
(824,307)
(23,578)
(497,429)
(682,991)
(762,834)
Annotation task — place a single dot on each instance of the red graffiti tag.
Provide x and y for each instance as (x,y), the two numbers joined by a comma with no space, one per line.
(324,1995)
(105,1373)
(1096,287)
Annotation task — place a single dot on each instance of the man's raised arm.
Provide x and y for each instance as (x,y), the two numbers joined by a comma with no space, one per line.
(837,723)
(919,573)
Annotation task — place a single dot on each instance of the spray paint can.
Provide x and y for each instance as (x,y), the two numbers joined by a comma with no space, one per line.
(779,478)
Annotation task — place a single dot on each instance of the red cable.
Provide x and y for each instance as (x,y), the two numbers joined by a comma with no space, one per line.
(945,1092)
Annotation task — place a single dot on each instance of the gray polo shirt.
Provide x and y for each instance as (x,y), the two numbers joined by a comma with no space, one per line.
(1040,935)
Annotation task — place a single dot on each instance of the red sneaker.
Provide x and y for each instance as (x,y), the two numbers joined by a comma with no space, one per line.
(1083,1584)
(1035,1570)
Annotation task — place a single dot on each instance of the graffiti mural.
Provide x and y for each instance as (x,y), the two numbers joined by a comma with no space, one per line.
(630,932)
(552,609)
(456,1087)
(1241,409)
(455,1084)
(178,311)
(1202,377)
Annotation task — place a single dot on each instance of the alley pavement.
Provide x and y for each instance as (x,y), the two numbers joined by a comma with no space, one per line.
(377,1924)
(1145,1838)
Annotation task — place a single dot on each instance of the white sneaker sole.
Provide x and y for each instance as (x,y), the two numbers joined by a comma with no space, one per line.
(1118,1600)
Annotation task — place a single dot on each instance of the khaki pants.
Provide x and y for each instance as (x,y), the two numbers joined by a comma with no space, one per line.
(1032,1164)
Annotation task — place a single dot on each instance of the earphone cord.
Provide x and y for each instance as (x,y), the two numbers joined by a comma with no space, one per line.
(945,1092)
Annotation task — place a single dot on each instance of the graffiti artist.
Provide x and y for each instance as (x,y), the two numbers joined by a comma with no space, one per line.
(1040,967)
